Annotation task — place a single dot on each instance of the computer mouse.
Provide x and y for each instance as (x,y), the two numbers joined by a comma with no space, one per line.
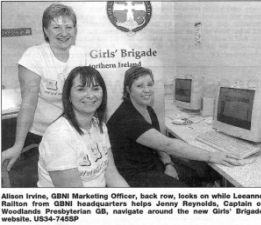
(178,121)
(209,120)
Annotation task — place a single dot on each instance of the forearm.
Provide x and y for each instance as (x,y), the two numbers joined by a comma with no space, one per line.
(115,180)
(181,149)
(169,169)
(172,146)
(24,122)
(30,85)
(112,176)
(177,148)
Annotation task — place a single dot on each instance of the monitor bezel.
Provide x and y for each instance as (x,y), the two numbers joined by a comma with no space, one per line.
(196,92)
(254,134)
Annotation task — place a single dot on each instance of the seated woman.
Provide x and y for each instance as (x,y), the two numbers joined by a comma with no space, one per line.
(75,150)
(141,152)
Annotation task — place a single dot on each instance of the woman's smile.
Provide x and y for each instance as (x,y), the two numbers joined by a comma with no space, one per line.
(85,99)
(146,97)
(61,33)
(63,39)
(142,90)
(88,102)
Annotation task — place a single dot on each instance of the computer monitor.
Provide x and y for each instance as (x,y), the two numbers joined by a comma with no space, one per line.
(238,112)
(187,91)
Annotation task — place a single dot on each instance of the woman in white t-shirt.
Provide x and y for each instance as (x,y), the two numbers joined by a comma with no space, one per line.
(42,71)
(75,150)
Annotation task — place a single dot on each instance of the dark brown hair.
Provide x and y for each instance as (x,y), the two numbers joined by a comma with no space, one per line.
(132,74)
(88,75)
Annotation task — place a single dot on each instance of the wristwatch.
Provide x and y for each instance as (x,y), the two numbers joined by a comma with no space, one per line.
(169,163)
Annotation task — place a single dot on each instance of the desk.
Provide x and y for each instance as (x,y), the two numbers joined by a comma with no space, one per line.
(11,101)
(240,176)
(9,114)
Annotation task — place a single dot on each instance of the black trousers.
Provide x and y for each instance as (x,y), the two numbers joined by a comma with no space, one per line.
(195,173)
(24,172)
(191,174)
(153,178)
(32,139)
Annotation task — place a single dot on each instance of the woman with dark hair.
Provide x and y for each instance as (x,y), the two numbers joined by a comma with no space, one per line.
(42,71)
(75,149)
(142,153)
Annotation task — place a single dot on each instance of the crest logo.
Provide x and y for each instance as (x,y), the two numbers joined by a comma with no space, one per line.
(129,17)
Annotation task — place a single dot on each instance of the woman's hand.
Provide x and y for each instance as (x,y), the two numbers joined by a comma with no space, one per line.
(171,171)
(11,154)
(226,159)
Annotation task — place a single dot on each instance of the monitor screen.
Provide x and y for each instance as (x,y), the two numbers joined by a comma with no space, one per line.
(235,107)
(183,90)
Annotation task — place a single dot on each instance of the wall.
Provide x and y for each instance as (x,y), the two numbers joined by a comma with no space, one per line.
(97,34)
(230,49)
(19,15)
(230,33)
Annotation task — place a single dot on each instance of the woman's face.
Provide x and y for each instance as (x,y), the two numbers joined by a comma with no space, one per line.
(142,90)
(61,33)
(85,100)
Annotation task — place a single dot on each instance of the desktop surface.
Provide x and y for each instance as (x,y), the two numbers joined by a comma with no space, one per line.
(11,102)
(248,175)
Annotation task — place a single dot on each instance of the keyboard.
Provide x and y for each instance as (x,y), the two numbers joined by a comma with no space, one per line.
(228,144)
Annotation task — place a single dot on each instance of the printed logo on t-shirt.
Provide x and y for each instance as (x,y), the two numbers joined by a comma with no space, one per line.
(87,174)
(85,161)
(96,152)
(51,84)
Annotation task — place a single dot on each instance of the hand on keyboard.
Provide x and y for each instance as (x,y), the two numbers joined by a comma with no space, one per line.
(226,159)
(247,161)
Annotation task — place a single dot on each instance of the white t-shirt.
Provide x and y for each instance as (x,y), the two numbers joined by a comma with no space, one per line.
(41,60)
(63,148)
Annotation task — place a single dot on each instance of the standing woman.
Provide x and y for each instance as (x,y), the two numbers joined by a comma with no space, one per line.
(141,152)
(75,149)
(42,71)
